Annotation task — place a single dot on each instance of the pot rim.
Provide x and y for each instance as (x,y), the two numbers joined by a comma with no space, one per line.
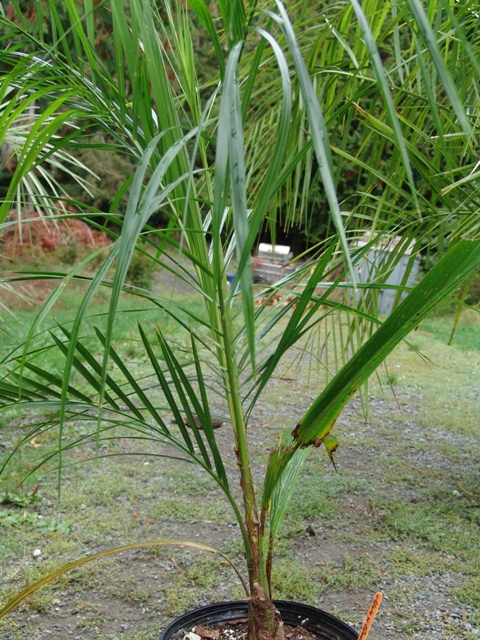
(311,618)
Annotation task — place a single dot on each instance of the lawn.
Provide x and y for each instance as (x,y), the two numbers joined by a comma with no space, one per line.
(400,514)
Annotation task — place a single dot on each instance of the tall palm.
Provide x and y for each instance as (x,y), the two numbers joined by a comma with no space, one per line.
(226,155)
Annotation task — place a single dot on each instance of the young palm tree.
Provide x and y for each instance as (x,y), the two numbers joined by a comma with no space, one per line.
(289,105)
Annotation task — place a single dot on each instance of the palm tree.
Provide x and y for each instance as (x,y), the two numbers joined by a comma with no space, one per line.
(288,105)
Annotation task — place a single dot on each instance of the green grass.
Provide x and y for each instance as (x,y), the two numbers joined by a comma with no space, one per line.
(466,336)
(362,572)
(132,310)
(292,581)
(392,510)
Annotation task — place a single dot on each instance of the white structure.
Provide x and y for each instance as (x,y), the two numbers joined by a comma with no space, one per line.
(274,252)
(271,263)
(377,260)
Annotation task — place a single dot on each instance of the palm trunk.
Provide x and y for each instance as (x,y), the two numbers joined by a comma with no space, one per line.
(264,621)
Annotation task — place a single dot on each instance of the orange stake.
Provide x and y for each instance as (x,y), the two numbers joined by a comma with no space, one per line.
(372,612)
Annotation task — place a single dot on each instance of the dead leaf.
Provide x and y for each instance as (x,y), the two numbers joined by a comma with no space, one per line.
(205,632)
(238,621)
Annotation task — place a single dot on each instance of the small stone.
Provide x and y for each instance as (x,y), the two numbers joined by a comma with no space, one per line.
(36,553)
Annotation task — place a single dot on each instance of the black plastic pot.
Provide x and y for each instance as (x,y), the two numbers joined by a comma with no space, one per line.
(319,622)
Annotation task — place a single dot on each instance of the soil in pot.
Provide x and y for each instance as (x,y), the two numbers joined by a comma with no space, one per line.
(228,621)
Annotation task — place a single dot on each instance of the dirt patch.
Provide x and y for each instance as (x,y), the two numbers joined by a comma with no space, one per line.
(34,235)
(50,241)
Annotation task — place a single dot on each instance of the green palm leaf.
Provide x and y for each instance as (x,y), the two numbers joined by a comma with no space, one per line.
(318,421)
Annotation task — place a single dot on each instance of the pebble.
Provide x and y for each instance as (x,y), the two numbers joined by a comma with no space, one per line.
(36,553)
